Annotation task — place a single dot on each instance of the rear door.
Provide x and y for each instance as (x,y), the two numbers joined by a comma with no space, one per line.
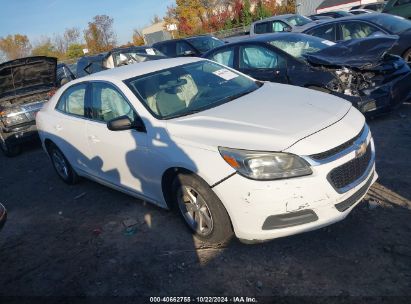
(262,63)
(69,126)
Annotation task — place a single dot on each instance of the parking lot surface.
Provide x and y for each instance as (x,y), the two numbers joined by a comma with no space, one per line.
(87,239)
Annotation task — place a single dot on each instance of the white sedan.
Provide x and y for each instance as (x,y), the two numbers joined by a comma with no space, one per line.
(231,154)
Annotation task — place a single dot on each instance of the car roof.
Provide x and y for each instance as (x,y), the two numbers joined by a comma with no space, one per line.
(365,17)
(277,17)
(137,69)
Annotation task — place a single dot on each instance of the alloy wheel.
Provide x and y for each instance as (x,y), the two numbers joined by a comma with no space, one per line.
(60,164)
(195,210)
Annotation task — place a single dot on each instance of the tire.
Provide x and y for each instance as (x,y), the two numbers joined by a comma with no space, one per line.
(9,150)
(201,209)
(62,166)
(407,56)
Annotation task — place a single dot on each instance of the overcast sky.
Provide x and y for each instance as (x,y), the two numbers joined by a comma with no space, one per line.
(35,18)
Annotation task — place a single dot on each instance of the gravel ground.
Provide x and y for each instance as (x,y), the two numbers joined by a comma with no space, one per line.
(65,240)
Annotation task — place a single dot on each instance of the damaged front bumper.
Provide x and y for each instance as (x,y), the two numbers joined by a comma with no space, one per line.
(264,210)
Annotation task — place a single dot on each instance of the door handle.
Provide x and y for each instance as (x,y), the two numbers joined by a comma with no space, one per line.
(58,127)
(94,139)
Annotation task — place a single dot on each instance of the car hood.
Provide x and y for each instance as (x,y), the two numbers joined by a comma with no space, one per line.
(271,118)
(355,53)
(27,75)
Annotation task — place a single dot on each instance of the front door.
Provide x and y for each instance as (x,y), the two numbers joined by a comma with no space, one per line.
(118,157)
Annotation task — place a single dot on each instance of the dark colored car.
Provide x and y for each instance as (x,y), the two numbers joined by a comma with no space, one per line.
(25,84)
(3,216)
(192,46)
(398,7)
(357,70)
(367,25)
(64,74)
(332,14)
(117,57)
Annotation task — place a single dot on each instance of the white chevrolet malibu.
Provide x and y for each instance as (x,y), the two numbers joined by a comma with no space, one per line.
(231,154)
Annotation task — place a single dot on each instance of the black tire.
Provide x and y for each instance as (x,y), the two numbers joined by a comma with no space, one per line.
(66,173)
(407,56)
(221,229)
(9,150)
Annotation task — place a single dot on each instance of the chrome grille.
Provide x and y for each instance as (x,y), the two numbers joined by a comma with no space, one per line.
(349,172)
(333,151)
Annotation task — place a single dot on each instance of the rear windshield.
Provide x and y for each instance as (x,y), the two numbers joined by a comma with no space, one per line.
(206,43)
(298,20)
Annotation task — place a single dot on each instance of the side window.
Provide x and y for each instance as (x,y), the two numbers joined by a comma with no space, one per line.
(259,57)
(182,48)
(356,30)
(225,56)
(325,32)
(108,103)
(72,100)
(261,28)
(278,26)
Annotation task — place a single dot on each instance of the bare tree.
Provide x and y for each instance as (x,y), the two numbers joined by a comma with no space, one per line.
(99,34)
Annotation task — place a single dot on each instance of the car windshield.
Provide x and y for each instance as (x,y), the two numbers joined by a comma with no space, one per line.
(189,88)
(395,24)
(206,43)
(298,20)
(297,46)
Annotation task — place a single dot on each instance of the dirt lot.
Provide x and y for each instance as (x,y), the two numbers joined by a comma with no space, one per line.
(71,240)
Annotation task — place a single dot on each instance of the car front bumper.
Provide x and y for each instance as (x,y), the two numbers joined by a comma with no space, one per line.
(264,210)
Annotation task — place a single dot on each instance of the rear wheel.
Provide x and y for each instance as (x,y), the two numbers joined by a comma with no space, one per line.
(62,166)
(201,209)
(9,150)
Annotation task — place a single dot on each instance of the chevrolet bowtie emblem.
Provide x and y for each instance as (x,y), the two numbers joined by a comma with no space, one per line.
(361,149)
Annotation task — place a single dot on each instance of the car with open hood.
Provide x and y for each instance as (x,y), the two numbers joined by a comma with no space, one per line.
(229,153)
(360,71)
(25,84)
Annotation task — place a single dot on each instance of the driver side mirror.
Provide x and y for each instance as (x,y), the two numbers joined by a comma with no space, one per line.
(124,123)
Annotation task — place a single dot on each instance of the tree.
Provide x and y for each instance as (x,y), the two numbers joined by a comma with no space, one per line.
(99,35)
(15,46)
(155,19)
(138,38)
(246,13)
(45,48)
(261,11)
(75,50)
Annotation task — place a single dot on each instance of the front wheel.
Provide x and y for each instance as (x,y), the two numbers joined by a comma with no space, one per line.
(201,209)
(9,150)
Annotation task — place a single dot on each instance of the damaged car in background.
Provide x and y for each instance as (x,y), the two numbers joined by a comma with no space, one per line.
(116,57)
(25,84)
(359,70)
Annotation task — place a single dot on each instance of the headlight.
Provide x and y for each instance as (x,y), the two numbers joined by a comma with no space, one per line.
(265,165)
(14,119)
